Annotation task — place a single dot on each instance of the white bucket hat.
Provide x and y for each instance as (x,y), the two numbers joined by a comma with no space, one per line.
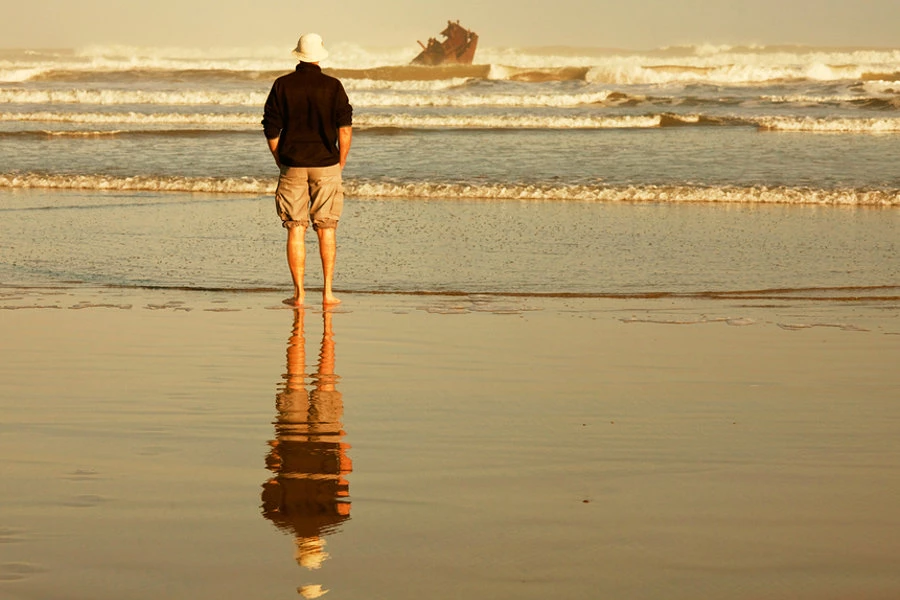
(310,48)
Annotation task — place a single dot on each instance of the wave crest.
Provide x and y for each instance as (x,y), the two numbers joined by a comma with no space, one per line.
(434,190)
(244,122)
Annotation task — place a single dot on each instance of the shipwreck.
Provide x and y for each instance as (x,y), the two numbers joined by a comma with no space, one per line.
(458,47)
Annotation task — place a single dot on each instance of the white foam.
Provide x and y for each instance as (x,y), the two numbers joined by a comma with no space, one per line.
(407,121)
(425,190)
(121,57)
(889,89)
(388,95)
(111,97)
(265,58)
(363,120)
(134,118)
(18,75)
(471,99)
(716,64)
(635,72)
(829,125)
(667,194)
(227,185)
(361,85)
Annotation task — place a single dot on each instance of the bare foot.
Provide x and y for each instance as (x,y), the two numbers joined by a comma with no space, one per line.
(294,301)
(330,299)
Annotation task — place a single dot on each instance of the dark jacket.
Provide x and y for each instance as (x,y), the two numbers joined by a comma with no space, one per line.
(305,109)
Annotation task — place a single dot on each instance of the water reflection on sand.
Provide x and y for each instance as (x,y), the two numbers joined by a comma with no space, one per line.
(308,496)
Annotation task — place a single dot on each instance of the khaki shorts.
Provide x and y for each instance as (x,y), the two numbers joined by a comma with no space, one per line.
(310,194)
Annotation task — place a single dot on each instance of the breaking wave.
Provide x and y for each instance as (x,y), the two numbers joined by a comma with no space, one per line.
(118,97)
(219,123)
(715,64)
(454,94)
(548,192)
(134,118)
(829,125)
(362,99)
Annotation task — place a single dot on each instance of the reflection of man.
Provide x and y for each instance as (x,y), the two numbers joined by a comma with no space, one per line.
(308,125)
(308,496)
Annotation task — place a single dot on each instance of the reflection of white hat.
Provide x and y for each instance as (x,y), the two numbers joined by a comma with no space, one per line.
(310,48)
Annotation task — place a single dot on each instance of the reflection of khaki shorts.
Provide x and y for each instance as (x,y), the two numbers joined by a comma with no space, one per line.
(307,194)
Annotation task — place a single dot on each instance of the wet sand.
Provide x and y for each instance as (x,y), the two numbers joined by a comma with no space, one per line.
(161,444)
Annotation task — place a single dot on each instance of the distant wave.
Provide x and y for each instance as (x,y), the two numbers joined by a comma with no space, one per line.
(614,73)
(395,78)
(368,99)
(408,121)
(134,118)
(139,75)
(198,124)
(721,65)
(724,74)
(408,73)
(449,94)
(107,133)
(119,97)
(548,192)
(401,73)
(830,125)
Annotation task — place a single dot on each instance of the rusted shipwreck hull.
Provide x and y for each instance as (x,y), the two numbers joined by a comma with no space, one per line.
(458,47)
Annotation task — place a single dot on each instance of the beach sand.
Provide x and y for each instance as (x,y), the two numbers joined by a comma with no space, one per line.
(491,447)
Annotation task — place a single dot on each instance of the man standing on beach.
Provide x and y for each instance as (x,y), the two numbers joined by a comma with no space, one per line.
(308,121)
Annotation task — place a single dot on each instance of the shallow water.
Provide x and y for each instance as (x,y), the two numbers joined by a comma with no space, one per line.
(520,247)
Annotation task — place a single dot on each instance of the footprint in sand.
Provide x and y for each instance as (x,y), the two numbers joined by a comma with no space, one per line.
(85,501)
(82,475)
(17,571)
(10,536)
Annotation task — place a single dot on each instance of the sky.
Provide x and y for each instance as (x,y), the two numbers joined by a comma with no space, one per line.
(629,24)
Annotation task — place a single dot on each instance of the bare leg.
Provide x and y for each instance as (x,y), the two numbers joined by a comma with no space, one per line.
(328,251)
(296,257)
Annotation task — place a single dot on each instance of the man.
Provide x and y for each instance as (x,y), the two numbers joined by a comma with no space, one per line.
(308,121)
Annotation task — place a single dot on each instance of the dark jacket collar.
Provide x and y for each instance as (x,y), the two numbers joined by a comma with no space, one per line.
(305,66)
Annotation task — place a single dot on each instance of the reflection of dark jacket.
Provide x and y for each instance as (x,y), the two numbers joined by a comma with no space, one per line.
(306,108)
(308,495)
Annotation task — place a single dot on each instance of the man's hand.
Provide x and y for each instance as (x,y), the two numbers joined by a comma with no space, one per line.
(273,148)
(345,137)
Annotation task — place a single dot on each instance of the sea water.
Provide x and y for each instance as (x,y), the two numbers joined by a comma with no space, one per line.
(678,170)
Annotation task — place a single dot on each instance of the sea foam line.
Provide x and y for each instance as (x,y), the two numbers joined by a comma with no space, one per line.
(369,99)
(720,64)
(246,121)
(463,98)
(133,118)
(829,125)
(362,189)
(110,97)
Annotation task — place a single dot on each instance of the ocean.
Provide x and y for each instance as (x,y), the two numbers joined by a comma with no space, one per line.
(680,170)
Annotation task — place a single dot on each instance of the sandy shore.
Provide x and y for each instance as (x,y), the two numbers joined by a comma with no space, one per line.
(171,444)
